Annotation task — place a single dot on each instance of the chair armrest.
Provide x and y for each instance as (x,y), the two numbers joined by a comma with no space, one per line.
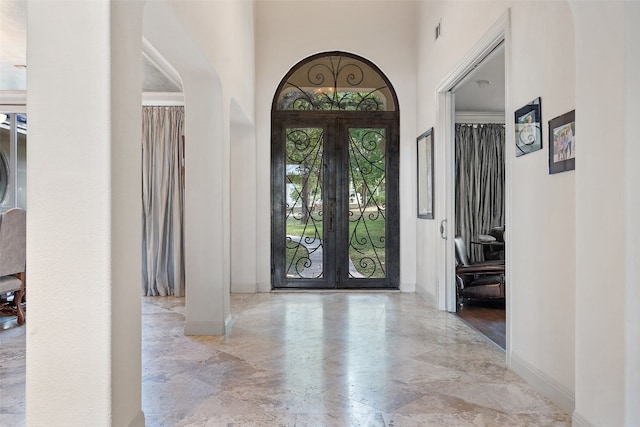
(482,268)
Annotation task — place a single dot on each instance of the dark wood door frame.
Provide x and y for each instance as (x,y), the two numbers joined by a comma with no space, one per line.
(335,127)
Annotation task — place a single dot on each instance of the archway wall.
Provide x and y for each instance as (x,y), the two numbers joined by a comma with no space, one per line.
(382,32)
(211,46)
(223,32)
(541,236)
(84,207)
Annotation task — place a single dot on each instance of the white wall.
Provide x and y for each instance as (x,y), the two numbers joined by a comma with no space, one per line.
(380,31)
(244,213)
(541,207)
(83,226)
(542,227)
(607,204)
(462,26)
(632,210)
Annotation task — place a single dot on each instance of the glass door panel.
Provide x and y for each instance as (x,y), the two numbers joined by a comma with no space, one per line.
(303,210)
(335,204)
(367,203)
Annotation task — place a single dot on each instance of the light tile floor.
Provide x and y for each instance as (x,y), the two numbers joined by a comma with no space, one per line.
(315,359)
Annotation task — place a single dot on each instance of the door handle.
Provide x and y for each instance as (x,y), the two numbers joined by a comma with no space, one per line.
(443,229)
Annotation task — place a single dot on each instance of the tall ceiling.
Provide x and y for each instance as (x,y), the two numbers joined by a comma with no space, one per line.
(471,96)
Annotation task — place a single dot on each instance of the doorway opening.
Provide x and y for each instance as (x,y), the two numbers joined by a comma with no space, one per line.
(479,129)
(334,162)
(450,101)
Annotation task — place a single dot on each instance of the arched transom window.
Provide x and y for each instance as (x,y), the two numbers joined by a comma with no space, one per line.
(335,82)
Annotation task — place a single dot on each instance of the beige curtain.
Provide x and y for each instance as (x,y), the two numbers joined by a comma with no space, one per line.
(480,175)
(162,201)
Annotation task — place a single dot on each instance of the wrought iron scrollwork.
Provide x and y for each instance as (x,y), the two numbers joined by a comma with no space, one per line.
(333,84)
(303,209)
(367,239)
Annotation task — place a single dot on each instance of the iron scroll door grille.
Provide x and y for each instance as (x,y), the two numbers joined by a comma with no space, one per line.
(335,207)
(368,245)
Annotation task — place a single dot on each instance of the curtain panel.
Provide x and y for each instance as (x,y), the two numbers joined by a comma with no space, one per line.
(480,173)
(162,201)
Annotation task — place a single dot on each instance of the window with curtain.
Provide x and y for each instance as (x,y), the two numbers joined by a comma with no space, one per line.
(480,173)
(162,201)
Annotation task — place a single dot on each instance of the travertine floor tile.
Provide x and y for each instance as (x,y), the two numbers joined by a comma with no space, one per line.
(320,360)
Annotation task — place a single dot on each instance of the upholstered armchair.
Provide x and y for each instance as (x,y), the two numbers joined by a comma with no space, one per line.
(482,280)
(13,236)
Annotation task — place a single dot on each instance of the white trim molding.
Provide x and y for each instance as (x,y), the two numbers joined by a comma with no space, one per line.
(138,421)
(264,287)
(205,328)
(474,117)
(556,392)
(407,287)
(498,34)
(428,298)
(239,288)
(150,52)
(579,421)
(163,99)
(14,101)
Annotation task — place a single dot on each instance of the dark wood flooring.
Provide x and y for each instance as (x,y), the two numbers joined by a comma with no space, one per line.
(488,318)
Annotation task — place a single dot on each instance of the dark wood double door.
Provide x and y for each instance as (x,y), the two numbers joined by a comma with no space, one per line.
(335,201)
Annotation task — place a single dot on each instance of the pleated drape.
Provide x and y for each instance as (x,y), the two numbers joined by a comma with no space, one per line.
(162,201)
(480,174)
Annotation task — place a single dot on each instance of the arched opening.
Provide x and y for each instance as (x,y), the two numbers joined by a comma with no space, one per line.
(206,299)
(334,162)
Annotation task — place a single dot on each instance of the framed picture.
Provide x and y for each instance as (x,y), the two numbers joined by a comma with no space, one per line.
(562,143)
(425,175)
(528,120)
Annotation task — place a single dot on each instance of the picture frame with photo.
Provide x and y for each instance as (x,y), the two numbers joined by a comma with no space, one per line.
(425,175)
(528,128)
(562,143)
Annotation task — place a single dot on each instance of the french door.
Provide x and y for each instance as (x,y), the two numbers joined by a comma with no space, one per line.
(335,201)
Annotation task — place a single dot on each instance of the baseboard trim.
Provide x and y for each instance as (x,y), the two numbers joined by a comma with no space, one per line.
(407,287)
(204,328)
(427,297)
(264,287)
(546,385)
(138,421)
(250,288)
(579,421)
(227,322)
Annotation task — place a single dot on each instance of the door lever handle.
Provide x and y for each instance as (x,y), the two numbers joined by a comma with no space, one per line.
(443,229)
